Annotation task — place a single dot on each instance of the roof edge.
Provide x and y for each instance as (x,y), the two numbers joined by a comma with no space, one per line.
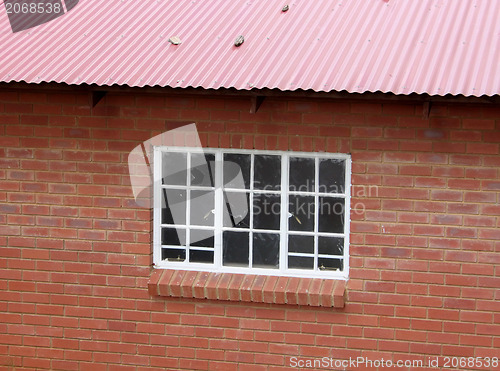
(266,92)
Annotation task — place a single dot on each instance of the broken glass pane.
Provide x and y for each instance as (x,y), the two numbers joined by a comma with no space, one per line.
(237,171)
(301,213)
(203,169)
(266,250)
(331,214)
(173,236)
(235,248)
(201,238)
(330,264)
(301,174)
(302,244)
(332,176)
(300,262)
(173,254)
(330,245)
(202,208)
(174,170)
(201,256)
(173,206)
(267,172)
(266,211)
(236,210)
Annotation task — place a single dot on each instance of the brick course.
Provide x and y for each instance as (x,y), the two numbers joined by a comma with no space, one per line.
(75,250)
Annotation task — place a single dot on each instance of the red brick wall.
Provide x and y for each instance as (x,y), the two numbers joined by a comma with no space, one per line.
(75,252)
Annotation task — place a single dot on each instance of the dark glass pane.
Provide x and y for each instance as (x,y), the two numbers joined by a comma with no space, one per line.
(330,245)
(236,210)
(173,236)
(330,264)
(173,254)
(235,248)
(237,171)
(332,176)
(303,244)
(266,250)
(173,207)
(266,211)
(202,206)
(331,214)
(267,172)
(301,174)
(201,238)
(302,210)
(201,256)
(203,170)
(300,262)
(174,170)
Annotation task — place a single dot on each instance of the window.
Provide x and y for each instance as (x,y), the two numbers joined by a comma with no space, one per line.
(258,212)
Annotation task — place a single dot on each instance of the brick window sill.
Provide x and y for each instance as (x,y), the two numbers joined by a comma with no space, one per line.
(247,288)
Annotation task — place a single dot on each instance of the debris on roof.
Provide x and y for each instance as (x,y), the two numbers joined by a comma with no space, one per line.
(176,40)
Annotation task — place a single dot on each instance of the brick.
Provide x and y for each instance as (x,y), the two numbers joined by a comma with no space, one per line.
(462,208)
(464,256)
(433,158)
(490,185)
(461,232)
(478,124)
(380,286)
(268,289)
(415,170)
(397,205)
(366,132)
(383,216)
(224,115)
(479,197)
(210,289)
(382,145)
(482,148)
(380,240)
(447,195)
(334,131)
(372,108)
(399,133)
(222,287)
(246,287)
(234,286)
(466,135)
(303,291)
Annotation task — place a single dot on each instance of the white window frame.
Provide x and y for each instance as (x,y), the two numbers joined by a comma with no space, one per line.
(285,192)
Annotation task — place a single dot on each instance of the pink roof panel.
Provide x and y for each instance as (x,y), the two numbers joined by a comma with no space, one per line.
(436,47)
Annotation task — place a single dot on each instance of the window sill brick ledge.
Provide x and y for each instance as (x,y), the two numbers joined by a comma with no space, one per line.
(314,292)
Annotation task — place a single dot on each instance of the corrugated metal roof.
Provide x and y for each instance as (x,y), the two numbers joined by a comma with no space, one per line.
(437,47)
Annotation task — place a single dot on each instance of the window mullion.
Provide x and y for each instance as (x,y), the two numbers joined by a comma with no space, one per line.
(188,205)
(219,209)
(317,208)
(157,176)
(347,215)
(283,261)
(250,206)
